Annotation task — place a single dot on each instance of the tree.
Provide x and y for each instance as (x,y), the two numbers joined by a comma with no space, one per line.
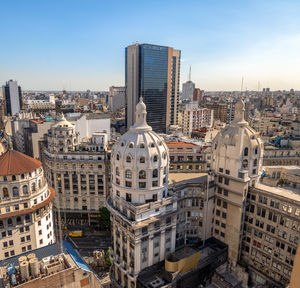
(107,258)
(104,218)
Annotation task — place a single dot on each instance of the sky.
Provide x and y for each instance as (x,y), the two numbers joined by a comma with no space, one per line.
(80,45)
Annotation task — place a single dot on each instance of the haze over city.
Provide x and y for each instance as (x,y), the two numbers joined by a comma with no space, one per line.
(80,45)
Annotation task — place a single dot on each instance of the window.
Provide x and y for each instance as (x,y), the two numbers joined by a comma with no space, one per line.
(25,189)
(255,163)
(142,145)
(155,173)
(5,192)
(9,222)
(218,212)
(154,197)
(142,174)
(128,159)
(154,183)
(142,185)
(226,181)
(128,174)
(246,151)
(131,145)
(128,184)
(33,187)
(225,192)
(128,197)
(245,163)
(155,158)
(220,179)
(15,192)
(142,159)
(221,170)
(118,157)
(117,171)
(224,215)
(227,172)
(218,202)
(225,205)
(19,220)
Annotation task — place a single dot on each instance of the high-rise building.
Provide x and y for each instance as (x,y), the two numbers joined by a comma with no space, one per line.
(197,95)
(26,220)
(188,90)
(153,72)
(116,98)
(13,97)
(142,211)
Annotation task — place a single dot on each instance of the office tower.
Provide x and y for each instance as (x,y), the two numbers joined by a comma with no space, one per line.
(142,212)
(26,205)
(188,90)
(77,171)
(13,97)
(153,72)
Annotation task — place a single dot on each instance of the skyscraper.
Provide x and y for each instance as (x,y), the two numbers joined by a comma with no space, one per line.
(13,97)
(153,72)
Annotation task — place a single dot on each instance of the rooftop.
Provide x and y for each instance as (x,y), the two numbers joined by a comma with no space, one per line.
(13,163)
(189,177)
(180,143)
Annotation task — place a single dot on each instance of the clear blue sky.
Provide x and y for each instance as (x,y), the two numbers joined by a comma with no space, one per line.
(79,45)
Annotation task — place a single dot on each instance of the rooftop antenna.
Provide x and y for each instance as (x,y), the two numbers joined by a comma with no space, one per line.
(190,73)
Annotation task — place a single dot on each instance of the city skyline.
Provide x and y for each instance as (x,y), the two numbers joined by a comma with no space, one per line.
(80,46)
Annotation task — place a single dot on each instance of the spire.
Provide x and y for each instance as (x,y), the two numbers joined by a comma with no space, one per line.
(239,113)
(190,73)
(140,116)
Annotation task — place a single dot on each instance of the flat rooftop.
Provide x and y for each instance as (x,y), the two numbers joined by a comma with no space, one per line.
(178,177)
(286,192)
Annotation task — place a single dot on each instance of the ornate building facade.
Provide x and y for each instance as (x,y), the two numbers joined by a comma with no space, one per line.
(77,171)
(142,211)
(26,205)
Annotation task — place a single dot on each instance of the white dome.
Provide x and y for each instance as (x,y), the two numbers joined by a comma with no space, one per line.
(63,123)
(140,162)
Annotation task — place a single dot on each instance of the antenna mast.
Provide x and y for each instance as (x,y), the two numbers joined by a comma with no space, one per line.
(190,73)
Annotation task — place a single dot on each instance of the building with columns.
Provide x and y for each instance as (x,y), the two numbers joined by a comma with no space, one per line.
(26,220)
(143,214)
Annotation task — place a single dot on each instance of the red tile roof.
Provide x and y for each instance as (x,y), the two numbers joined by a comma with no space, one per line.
(13,163)
(180,143)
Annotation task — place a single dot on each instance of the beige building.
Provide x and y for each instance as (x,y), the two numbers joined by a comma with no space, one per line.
(26,205)
(77,171)
(186,157)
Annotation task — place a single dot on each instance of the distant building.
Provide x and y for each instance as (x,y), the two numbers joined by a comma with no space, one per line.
(188,89)
(220,111)
(153,72)
(116,99)
(13,98)
(196,118)
(198,95)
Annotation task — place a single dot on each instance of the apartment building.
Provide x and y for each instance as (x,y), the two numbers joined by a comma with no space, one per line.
(77,171)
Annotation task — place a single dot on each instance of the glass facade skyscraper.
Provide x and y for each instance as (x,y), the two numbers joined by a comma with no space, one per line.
(152,72)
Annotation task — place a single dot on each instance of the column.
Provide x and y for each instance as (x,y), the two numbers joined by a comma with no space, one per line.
(173,238)
(150,250)
(137,256)
(162,246)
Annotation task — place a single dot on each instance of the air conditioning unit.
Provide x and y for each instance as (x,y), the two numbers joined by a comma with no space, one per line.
(158,282)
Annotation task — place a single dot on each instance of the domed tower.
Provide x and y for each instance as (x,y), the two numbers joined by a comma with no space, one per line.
(26,205)
(237,159)
(62,136)
(142,213)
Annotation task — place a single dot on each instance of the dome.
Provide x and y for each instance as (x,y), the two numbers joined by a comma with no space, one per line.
(63,123)
(13,163)
(140,161)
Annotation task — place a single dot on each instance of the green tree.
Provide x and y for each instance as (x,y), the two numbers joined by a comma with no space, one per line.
(104,218)
(107,258)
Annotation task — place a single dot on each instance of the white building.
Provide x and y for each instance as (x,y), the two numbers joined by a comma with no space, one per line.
(116,98)
(196,118)
(142,212)
(26,205)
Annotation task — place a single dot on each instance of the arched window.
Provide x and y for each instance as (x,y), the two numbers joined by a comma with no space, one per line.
(142,159)
(40,183)
(245,163)
(75,199)
(9,222)
(15,191)
(142,174)
(5,192)
(255,162)
(14,178)
(122,144)
(19,220)
(25,189)
(68,142)
(142,145)
(118,157)
(33,187)
(117,171)
(155,158)
(128,159)
(155,173)
(128,174)
(1,224)
(152,145)
(246,151)
(131,145)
